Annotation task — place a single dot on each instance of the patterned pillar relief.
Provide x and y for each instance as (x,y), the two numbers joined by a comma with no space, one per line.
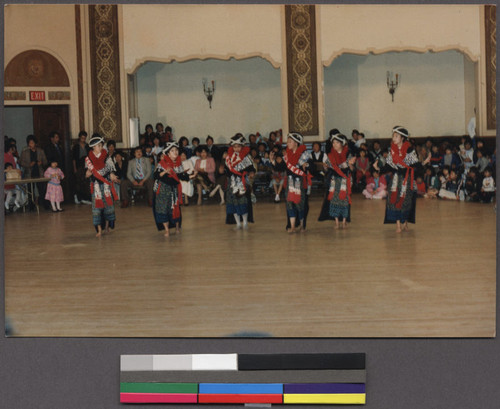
(491,65)
(301,69)
(104,51)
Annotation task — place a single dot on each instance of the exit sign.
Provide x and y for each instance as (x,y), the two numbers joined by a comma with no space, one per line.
(37,95)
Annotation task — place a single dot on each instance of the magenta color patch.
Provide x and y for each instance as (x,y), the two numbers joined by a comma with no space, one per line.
(158,398)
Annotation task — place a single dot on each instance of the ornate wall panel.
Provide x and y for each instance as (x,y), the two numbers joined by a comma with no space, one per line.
(301,69)
(491,66)
(14,96)
(35,68)
(79,65)
(59,95)
(105,66)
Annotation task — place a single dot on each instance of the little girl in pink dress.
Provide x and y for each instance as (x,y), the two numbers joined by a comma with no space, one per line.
(54,190)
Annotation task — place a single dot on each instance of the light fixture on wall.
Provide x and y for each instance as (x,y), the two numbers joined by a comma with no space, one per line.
(392,82)
(208,90)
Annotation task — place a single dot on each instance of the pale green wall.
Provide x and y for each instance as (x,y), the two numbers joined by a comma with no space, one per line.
(430,99)
(247,97)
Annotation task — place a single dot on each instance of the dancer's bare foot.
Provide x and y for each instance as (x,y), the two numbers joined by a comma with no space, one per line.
(178,230)
(167,233)
(337,226)
(291,230)
(405,226)
(99,232)
(344,225)
(398,226)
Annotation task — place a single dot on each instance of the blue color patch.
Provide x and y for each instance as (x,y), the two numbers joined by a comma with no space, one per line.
(241,388)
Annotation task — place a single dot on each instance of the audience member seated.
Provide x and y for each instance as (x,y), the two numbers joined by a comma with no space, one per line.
(139,173)
(362,168)
(195,143)
(12,195)
(213,151)
(187,185)
(318,159)
(220,179)
(432,184)
(252,141)
(147,136)
(421,188)
(376,186)
(375,152)
(450,159)
(157,149)
(272,140)
(205,179)
(262,149)
(168,137)
(436,157)
(148,153)
(160,132)
(452,190)
(482,162)
(120,170)
(262,178)
(184,146)
(467,155)
(422,153)
(473,185)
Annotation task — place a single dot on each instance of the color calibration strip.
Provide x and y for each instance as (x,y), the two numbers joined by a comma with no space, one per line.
(244,378)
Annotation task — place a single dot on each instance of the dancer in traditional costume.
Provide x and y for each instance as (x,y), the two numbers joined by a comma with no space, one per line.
(340,164)
(101,171)
(298,182)
(401,197)
(167,189)
(238,201)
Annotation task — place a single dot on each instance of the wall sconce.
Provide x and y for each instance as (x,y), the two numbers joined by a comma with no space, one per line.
(391,84)
(208,90)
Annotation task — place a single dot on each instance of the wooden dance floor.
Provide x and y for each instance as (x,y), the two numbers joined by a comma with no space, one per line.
(437,280)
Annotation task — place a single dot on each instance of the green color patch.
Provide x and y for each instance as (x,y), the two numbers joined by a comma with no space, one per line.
(158,387)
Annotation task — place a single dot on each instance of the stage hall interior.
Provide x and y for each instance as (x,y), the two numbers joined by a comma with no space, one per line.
(306,68)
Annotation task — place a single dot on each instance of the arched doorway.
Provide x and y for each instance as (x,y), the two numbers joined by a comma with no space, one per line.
(36,102)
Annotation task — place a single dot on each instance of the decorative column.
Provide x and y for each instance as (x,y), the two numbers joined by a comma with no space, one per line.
(301,69)
(105,71)
(491,66)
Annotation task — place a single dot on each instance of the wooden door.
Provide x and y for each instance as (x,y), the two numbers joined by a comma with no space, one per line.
(48,118)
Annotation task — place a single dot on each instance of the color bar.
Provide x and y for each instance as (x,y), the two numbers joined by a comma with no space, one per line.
(241,398)
(172,362)
(158,387)
(305,388)
(241,388)
(325,398)
(136,362)
(323,376)
(215,362)
(300,361)
(158,398)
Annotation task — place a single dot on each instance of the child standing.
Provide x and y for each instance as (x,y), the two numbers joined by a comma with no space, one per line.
(54,190)
(488,188)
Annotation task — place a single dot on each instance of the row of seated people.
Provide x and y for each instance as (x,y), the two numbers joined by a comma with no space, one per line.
(270,178)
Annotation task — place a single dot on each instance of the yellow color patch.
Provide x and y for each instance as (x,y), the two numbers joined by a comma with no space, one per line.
(321,398)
